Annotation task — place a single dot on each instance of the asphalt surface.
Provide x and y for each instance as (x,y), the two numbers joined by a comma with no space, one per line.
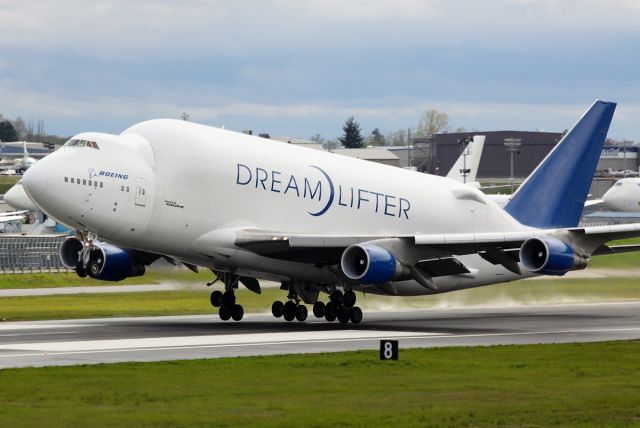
(107,340)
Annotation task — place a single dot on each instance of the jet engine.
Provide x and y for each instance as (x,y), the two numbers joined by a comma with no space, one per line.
(371,264)
(550,256)
(106,262)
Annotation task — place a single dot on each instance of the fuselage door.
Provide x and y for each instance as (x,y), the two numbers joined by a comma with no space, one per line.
(141,192)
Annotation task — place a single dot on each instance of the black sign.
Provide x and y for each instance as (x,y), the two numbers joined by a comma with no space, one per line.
(388,349)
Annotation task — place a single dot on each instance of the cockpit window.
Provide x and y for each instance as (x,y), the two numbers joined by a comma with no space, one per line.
(81,143)
(618,184)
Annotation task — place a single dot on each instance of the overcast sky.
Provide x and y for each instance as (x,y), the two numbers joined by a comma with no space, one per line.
(291,67)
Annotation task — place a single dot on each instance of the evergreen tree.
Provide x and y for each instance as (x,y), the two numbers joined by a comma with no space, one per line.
(8,132)
(352,138)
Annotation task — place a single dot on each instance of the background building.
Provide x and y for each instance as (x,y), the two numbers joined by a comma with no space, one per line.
(438,154)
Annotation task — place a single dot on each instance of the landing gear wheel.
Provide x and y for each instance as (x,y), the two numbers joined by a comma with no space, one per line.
(277,308)
(94,269)
(318,309)
(225,313)
(228,298)
(216,299)
(301,313)
(237,312)
(343,314)
(349,299)
(82,272)
(330,312)
(336,297)
(289,312)
(356,315)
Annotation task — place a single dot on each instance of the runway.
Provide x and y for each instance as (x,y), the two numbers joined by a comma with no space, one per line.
(108,340)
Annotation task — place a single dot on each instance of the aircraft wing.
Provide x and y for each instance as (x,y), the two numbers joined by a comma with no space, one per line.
(496,248)
(12,213)
(7,218)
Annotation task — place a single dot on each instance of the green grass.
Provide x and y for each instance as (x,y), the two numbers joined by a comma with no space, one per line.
(7,182)
(70,279)
(573,385)
(618,261)
(180,302)
(194,299)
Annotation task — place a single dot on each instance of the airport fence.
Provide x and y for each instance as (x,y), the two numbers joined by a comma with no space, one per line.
(31,253)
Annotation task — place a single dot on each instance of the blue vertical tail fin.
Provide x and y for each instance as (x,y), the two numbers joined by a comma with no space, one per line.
(555,192)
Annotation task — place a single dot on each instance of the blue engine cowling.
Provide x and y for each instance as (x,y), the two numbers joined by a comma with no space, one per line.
(106,262)
(368,264)
(550,256)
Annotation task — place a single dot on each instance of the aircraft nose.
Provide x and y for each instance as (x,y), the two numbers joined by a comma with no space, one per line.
(35,181)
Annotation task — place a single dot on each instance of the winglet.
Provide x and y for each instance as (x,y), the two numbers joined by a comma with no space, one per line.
(555,192)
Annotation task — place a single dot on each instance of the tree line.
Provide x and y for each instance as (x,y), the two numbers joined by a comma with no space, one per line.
(430,123)
(21,130)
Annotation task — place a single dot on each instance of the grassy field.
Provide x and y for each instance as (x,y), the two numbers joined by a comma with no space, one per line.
(194,299)
(70,279)
(574,385)
(7,182)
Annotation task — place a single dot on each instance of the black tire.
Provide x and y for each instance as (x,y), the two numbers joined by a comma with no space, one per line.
(318,309)
(216,299)
(330,313)
(289,311)
(356,315)
(343,314)
(237,312)
(336,297)
(349,299)
(301,313)
(228,298)
(225,313)
(277,308)
(82,273)
(94,269)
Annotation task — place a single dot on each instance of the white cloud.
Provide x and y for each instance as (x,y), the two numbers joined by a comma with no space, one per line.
(140,29)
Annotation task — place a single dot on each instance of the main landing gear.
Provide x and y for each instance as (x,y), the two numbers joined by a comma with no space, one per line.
(226,301)
(290,310)
(341,307)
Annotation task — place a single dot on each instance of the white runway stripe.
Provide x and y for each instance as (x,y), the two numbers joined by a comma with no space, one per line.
(229,339)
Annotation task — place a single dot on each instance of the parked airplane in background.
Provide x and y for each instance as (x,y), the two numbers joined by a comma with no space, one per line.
(20,165)
(465,169)
(17,198)
(10,221)
(249,208)
(622,173)
(26,162)
(624,195)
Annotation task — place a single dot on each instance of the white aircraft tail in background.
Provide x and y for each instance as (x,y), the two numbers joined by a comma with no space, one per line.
(465,169)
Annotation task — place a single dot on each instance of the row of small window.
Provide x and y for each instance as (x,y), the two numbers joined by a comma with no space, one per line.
(94,183)
(84,182)
(82,143)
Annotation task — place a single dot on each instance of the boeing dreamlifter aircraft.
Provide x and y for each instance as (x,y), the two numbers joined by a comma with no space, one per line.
(249,208)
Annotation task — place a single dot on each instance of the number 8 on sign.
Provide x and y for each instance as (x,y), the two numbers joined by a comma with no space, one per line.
(388,349)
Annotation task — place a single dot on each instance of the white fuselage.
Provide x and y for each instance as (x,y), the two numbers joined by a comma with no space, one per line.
(624,195)
(180,189)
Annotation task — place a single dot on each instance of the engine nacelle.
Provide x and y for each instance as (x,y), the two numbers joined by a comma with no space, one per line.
(550,256)
(371,264)
(106,262)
